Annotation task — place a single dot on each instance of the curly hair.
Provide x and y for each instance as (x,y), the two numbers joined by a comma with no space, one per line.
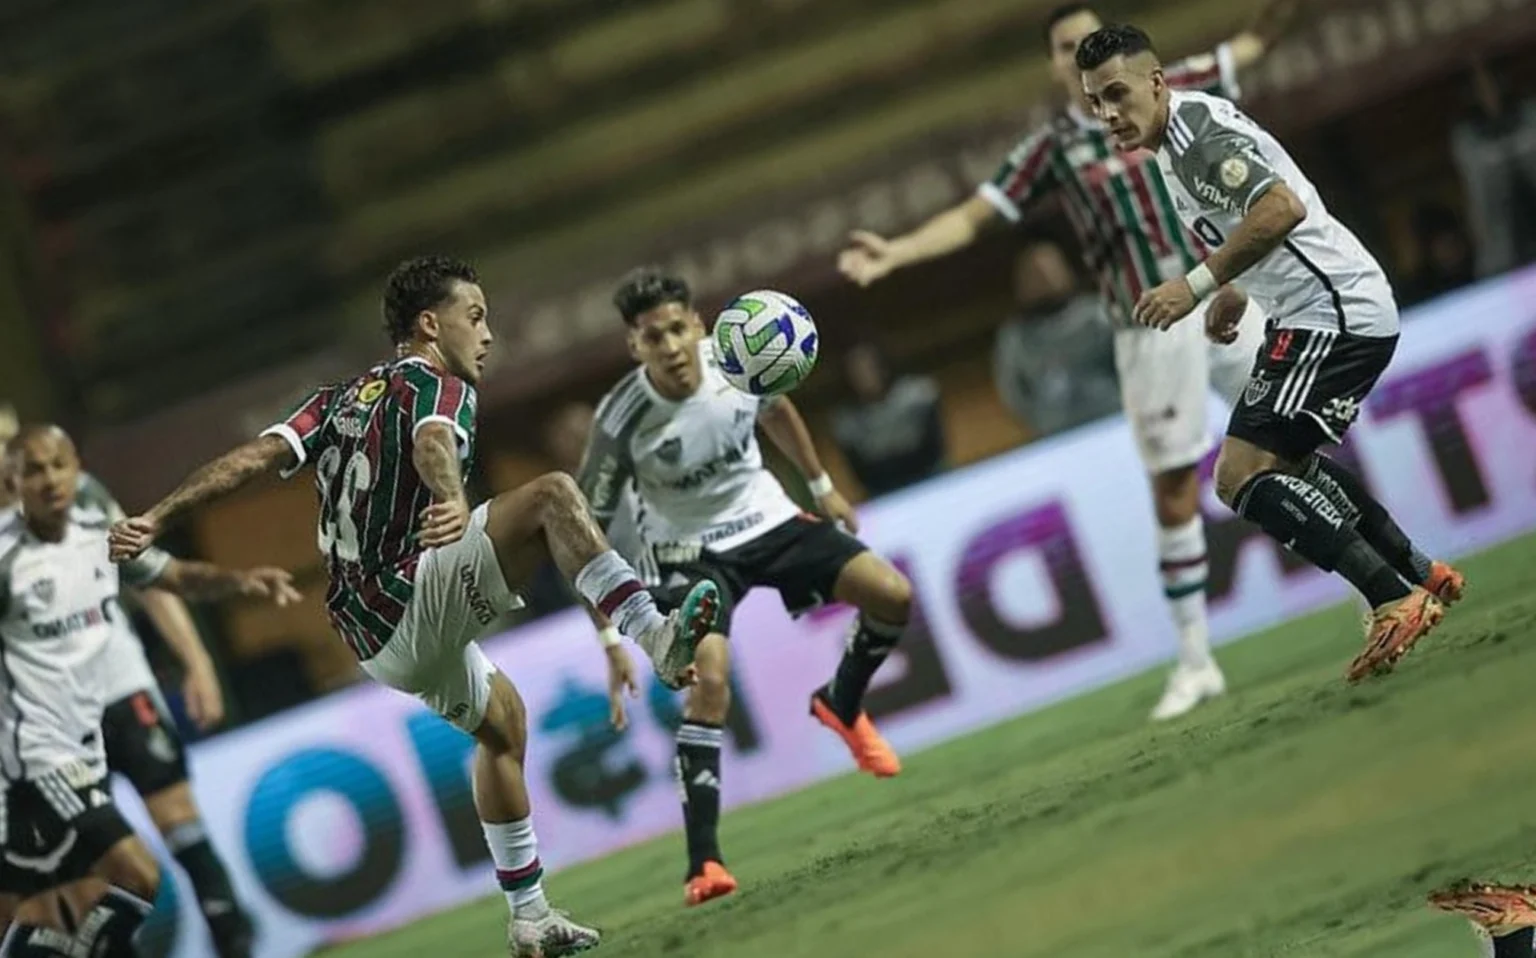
(417,285)
(647,287)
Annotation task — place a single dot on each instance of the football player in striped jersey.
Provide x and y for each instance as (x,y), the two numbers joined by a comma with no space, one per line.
(1132,240)
(417,574)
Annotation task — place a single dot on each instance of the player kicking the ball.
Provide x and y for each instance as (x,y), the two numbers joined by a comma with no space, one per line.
(710,510)
(416,574)
(1121,211)
(1333,329)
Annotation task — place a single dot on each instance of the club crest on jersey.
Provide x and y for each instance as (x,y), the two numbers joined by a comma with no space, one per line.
(370,393)
(44,590)
(1234,172)
(1255,392)
(670,451)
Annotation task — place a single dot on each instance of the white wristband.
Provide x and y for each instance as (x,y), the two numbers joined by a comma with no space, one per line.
(609,637)
(1201,282)
(821,486)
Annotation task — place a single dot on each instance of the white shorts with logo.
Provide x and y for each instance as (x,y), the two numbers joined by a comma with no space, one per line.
(1166,380)
(459,592)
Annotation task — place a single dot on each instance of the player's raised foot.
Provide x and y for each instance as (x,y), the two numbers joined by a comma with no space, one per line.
(711,883)
(1187,687)
(672,645)
(1497,909)
(871,752)
(1445,583)
(1392,630)
(544,932)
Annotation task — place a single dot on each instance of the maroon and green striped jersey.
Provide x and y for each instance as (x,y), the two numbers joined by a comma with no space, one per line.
(1117,202)
(359,434)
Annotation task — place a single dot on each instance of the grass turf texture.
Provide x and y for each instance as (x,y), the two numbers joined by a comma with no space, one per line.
(1298,816)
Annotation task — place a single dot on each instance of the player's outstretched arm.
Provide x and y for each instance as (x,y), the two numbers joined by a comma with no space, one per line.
(204,581)
(786,429)
(1273,21)
(205,699)
(870,257)
(235,468)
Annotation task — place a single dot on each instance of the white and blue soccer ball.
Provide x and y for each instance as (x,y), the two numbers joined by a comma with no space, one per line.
(766,342)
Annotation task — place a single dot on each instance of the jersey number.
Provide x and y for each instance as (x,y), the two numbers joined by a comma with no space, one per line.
(339,535)
(1208,232)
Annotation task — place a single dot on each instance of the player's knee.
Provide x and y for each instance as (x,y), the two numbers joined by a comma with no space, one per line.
(131,867)
(558,492)
(895,601)
(504,728)
(1232,473)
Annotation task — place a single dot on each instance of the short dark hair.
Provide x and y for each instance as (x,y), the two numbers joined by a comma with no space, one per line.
(1061,13)
(417,285)
(647,287)
(1116,40)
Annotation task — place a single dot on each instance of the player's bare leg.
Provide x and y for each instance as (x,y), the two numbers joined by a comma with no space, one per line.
(501,799)
(178,819)
(1276,496)
(549,517)
(698,770)
(99,915)
(883,597)
(1184,569)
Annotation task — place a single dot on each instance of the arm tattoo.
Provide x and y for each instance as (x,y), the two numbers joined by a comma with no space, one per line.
(436,457)
(222,476)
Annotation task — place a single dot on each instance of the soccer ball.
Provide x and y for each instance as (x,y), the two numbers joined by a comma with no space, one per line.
(766,343)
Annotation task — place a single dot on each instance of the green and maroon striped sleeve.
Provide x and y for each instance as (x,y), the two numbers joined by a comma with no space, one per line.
(1026,174)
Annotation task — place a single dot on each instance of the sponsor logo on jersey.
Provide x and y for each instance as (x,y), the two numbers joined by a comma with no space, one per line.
(74,622)
(44,590)
(670,451)
(692,480)
(371,392)
(1256,390)
(1342,410)
(1212,194)
(736,526)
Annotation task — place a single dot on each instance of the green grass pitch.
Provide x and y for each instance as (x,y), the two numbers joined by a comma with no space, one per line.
(1298,817)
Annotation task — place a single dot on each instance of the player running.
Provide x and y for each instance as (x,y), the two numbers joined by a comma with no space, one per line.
(416,574)
(1121,211)
(708,509)
(1333,329)
(142,742)
(58,613)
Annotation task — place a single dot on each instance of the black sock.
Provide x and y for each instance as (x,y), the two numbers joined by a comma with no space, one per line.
(106,931)
(1516,944)
(867,649)
(1360,509)
(1292,511)
(698,774)
(227,923)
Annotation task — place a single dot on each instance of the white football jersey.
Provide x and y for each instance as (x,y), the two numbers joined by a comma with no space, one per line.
(696,465)
(127,667)
(58,610)
(1218,163)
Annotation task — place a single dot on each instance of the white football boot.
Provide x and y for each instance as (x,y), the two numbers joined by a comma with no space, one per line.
(1187,687)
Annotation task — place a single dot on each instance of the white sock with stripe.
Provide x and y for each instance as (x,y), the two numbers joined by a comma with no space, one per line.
(1185,569)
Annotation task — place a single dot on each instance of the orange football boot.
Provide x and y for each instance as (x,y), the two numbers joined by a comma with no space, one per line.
(872,753)
(1499,909)
(713,882)
(1392,630)
(1445,584)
